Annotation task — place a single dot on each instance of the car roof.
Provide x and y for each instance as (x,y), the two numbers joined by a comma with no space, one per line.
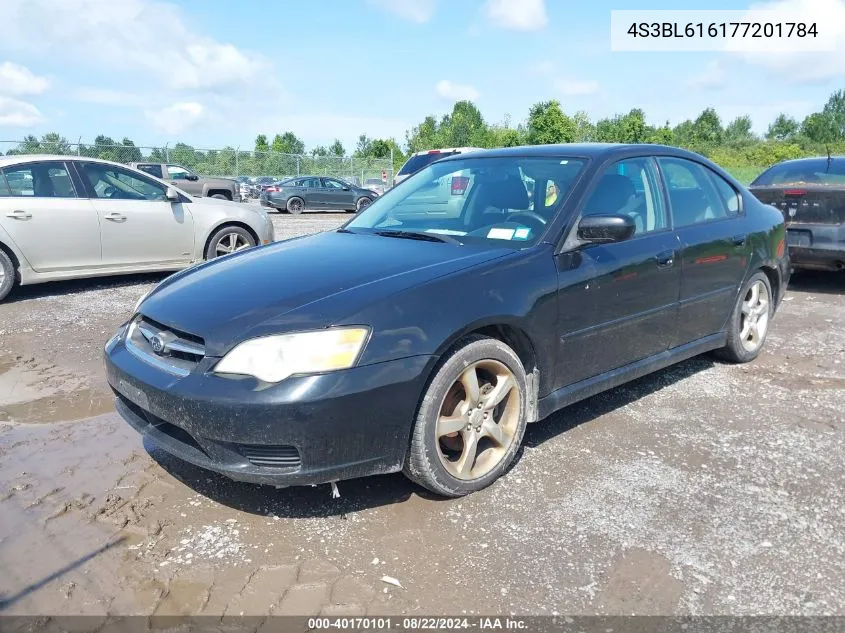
(447,149)
(586,150)
(807,159)
(5,161)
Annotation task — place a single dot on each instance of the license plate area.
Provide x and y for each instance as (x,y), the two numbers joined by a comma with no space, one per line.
(132,393)
(795,237)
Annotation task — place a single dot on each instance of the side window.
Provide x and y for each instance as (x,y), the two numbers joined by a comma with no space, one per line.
(115,183)
(332,184)
(729,195)
(177,173)
(4,186)
(40,180)
(312,183)
(630,187)
(692,193)
(152,170)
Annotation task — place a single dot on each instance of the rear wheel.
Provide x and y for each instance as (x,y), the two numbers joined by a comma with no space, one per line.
(295,205)
(471,419)
(228,240)
(362,203)
(7,275)
(750,321)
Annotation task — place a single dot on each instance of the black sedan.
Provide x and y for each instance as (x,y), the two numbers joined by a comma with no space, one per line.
(316,193)
(810,192)
(423,337)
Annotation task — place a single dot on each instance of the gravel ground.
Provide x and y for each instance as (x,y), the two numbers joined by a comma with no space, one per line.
(706,488)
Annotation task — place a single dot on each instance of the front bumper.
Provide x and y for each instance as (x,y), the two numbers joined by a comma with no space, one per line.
(817,246)
(304,430)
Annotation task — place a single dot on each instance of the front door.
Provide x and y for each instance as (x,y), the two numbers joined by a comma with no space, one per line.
(54,226)
(627,308)
(337,195)
(706,212)
(184,179)
(140,226)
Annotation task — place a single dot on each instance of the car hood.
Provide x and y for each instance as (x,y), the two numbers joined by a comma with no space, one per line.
(304,283)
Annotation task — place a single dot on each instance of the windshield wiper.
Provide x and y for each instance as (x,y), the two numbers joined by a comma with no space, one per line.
(418,235)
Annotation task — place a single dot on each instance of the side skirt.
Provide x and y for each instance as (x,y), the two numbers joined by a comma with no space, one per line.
(571,394)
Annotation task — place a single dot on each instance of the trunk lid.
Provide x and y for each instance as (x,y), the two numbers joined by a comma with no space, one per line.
(805,204)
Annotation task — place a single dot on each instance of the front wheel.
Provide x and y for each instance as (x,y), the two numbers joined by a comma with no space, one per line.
(295,205)
(228,240)
(220,196)
(471,419)
(750,320)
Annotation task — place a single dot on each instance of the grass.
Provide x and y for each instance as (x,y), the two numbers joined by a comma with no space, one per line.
(744,174)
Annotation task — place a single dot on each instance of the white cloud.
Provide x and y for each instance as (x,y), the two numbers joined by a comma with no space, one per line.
(803,67)
(518,15)
(711,78)
(128,37)
(19,80)
(14,113)
(107,96)
(576,87)
(176,118)
(450,91)
(419,11)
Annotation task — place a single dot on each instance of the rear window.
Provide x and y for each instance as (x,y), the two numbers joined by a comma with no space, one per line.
(817,171)
(152,170)
(415,163)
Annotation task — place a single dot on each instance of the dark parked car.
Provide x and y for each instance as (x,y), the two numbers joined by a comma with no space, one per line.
(810,192)
(424,339)
(316,193)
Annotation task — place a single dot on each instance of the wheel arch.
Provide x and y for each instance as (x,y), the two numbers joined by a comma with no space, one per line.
(226,192)
(15,261)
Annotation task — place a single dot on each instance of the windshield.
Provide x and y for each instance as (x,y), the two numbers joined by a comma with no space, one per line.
(815,171)
(415,163)
(475,200)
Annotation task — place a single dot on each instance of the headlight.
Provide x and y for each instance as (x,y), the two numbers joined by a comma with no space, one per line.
(274,358)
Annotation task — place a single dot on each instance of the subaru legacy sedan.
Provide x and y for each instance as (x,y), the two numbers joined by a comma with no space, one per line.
(68,217)
(424,337)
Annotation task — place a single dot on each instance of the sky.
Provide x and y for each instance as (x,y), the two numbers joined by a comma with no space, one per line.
(215,73)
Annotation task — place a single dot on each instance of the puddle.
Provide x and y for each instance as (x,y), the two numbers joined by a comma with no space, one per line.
(84,403)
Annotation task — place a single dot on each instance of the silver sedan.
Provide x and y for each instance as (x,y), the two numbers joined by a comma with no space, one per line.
(66,217)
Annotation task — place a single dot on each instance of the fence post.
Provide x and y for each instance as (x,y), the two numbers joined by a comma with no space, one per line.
(79,147)
(391,168)
(297,164)
(166,153)
(237,152)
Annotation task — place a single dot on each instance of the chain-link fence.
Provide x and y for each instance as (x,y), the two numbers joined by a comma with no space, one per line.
(226,162)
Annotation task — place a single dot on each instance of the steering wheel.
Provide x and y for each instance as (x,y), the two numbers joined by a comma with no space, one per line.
(109,192)
(535,218)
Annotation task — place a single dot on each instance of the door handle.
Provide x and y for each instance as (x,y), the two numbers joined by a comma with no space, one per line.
(115,217)
(19,215)
(665,259)
(738,240)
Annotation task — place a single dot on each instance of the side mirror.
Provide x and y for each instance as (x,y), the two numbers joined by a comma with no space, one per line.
(171,194)
(192,177)
(346,188)
(603,229)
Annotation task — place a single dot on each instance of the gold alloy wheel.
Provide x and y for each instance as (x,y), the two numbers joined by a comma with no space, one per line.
(478,420)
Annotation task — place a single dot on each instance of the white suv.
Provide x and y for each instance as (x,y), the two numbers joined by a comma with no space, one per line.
(419,160)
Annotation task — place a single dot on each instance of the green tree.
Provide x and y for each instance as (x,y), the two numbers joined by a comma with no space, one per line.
(835,109)
(707,130)
(739,130)
(632,127)
(547,124)
(782,128)
(820,128)
(54,143)
(261,144)
(585,130)
(363,147)
(662,135)
(185,155)
(287,143)
(319,151)
(337,149)
(130,153)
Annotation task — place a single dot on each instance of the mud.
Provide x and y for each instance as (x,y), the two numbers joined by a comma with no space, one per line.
(704,489)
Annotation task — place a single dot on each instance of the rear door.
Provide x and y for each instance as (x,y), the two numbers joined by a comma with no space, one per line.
(708,219)
(337,195)
(53,226)
(311,190)
(140,226)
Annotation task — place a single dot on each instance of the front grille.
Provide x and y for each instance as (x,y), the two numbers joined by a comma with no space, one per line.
(274,456)
(163,347)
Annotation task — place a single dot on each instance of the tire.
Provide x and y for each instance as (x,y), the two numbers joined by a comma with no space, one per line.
(220,196)
(440,460)
(227,240)
(295,205)
(752,311)
(7,274)
(362,203)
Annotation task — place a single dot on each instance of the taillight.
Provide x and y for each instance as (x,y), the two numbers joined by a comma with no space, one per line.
(434,151)
(273,189)
(794,192)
